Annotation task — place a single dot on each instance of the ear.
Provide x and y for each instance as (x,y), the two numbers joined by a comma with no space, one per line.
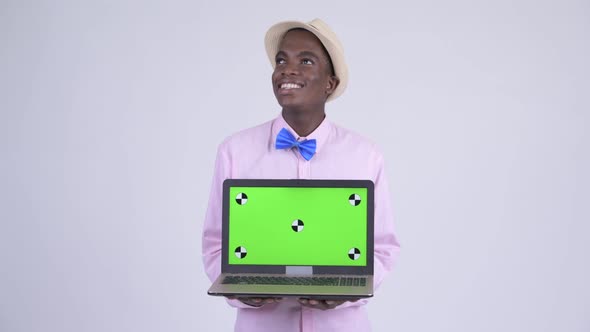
(332,84)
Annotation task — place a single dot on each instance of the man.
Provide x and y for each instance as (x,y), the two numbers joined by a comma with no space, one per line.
(309,70)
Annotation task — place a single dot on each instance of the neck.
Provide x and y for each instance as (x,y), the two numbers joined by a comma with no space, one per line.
(304,123)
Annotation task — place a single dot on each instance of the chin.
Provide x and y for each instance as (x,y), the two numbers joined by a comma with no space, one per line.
(288,103)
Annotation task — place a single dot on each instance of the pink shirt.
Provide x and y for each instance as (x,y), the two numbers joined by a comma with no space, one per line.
(340,154)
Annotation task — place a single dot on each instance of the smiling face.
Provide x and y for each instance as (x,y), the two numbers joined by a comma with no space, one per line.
(303,76)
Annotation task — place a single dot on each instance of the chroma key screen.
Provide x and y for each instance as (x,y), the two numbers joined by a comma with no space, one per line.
(298,226)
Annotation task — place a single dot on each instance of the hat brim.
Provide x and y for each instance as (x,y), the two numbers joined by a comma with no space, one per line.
(275,35)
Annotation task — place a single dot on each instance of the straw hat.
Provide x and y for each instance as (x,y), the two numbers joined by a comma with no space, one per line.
(275,35)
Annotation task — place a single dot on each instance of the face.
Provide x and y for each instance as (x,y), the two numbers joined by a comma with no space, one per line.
(302,77)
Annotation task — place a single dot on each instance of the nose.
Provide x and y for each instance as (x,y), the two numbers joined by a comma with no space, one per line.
(289,68)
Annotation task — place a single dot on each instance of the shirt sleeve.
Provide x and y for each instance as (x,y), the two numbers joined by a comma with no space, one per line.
(211,241)
(386,245)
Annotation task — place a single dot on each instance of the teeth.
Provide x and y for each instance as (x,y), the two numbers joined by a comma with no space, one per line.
(290,86)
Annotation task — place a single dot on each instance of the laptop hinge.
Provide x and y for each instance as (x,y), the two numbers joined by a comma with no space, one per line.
(299,270)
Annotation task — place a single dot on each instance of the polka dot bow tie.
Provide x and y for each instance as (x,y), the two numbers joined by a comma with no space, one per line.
(286,140)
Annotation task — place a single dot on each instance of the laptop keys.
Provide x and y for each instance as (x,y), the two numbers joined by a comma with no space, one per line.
(309,281)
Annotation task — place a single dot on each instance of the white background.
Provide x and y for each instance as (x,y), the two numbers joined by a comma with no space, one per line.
(111,112)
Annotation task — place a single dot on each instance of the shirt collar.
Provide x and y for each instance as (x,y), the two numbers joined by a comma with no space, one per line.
(320,134)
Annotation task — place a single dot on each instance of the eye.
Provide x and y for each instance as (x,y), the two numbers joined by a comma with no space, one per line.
(280,61)
(307,62)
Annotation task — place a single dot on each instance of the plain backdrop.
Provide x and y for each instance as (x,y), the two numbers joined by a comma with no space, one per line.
(111,113)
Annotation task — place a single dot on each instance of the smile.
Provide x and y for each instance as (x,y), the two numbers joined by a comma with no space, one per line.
(289,86)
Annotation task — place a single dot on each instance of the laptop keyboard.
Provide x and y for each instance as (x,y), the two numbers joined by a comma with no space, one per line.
(308,281)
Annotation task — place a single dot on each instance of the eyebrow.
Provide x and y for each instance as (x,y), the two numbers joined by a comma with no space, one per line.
(308,54)
(300,54)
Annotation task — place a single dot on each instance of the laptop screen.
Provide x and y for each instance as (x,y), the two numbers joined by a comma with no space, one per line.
(298,223)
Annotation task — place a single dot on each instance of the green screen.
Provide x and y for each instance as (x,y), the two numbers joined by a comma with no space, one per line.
(297,226)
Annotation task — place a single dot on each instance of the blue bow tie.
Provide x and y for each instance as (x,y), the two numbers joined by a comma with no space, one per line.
(286,140)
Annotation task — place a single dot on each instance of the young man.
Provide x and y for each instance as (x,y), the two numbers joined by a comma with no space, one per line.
(309,70)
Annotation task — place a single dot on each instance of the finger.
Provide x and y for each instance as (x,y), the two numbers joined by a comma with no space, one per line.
(334,303)
(323,305)
(314,302)
(303,301)
(348,300)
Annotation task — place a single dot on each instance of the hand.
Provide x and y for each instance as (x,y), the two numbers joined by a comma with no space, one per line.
(323,304)
(256,301)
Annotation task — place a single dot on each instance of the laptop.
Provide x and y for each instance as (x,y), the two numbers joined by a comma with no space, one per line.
(296,238)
